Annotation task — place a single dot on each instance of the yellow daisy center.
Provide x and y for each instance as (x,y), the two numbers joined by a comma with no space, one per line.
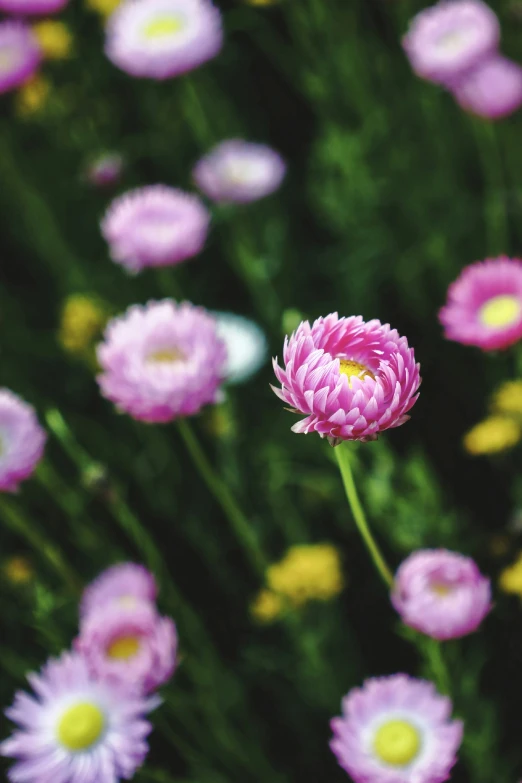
(439,588)
(163,26)
(501,311)
(397,743)
(81,726)
(354,370)
(169,355)
(124,648)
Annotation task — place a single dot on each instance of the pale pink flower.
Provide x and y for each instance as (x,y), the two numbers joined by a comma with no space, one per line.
(22,441)
(492,90)
(123,584)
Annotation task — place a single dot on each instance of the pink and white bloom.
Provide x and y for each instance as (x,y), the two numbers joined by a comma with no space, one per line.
(441,593)
(22,441)
(155,226)
(123,584)
(492,90)
(131,645)
(75,728)
(161,361)
(351,379)
(451,37)
(484,305)
(160,39)
(239,171)
(32,7)
(396,730)
(20,54)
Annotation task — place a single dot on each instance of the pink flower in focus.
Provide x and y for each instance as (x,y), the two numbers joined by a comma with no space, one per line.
(449,38)
(22,441)
(131,645)
(20,54)
(441,593)
(493,89)
(123,584)
(155,226)
(396,730)
(161,361)
(484,305)
(351,379)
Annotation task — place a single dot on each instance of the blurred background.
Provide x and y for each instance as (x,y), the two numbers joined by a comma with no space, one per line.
(391,190)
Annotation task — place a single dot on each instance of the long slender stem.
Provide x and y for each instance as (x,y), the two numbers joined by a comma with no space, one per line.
(343,459)
(433,653)
(224,497)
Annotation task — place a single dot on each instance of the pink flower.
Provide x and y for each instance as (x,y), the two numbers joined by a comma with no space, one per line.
(351,379)
(239,171)
(451,37)
(105,170)
(161,361)
(32,7)
(123,584)
(493,89)
(131,645)
(20,54)
(22,441)
(441,593)
(484,306)
(155,226)
(396,730)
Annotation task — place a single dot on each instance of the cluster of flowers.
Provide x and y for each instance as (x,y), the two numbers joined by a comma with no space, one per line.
(86,721)
(455,44)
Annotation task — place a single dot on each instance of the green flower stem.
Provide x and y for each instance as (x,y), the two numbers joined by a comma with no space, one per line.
(14,519)
(343,460)
(495,216)
(224,497)
(432,650)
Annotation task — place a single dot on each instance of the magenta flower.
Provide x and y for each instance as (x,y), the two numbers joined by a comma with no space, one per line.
(20,54)
(396,730)
(351,379)
(22,441)
(155,226)
(131,645)
(105,170)
(239,171)
(441,593)
(123,584)
(162,361)
(449,38)
(484,306)
(493,89)
(76,729)
(160,39)
(32,7)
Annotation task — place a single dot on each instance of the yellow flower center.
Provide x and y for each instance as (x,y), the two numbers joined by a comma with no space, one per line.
(501,311)
(451,42)
(354,370)
(163,26)
(439,588)
(397,743)
(124,648)
(81,726)
(166,356)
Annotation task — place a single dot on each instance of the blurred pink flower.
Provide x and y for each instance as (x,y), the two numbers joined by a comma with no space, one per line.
(131,645)
(239,171)
(20,54)
(22,441)
(396,730)
(441,593)
(105,170)
(122,584)
(155,226)
(162,360)
(160,39)
(351,379)
(493,89)
(449,38)
(484,305)
(32,7)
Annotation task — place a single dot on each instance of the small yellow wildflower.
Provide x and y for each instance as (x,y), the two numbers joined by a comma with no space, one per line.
(266,607)
(494,434)
(55,39)
(32,96)
(18,570)
(82,320)
(511,578)
(307,572)
(508,398)
(261,2)
(103,7)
